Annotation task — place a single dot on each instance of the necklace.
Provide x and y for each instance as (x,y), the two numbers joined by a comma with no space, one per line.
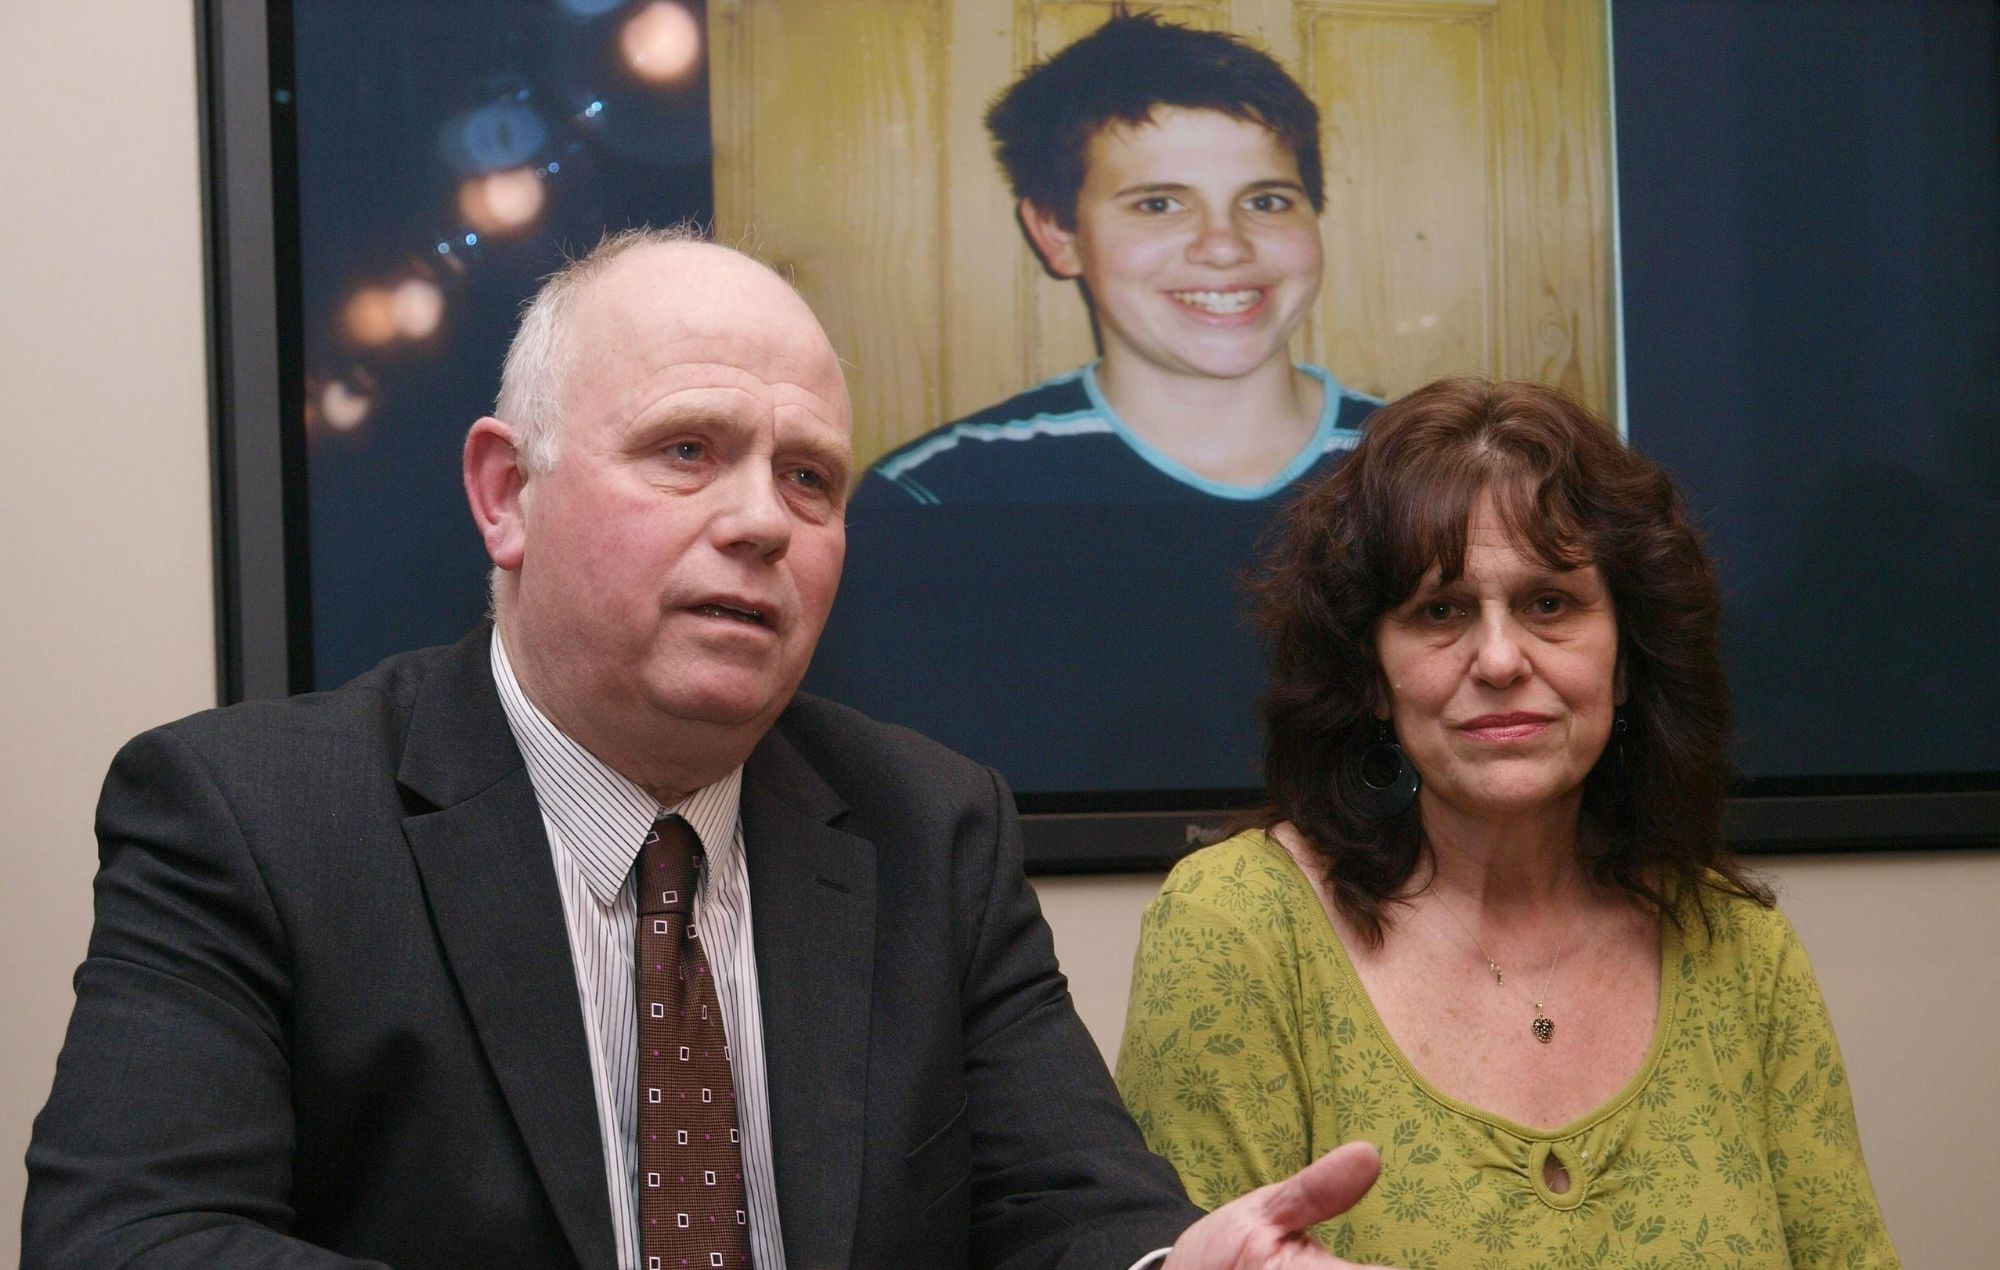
(1543,1027)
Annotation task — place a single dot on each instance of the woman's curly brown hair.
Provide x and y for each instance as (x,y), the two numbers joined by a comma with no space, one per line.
(1359,542)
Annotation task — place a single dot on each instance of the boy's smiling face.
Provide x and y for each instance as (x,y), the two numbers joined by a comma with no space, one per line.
(1197,242)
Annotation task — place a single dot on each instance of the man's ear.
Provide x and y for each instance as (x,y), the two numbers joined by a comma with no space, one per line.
(494,482)
(1054,244)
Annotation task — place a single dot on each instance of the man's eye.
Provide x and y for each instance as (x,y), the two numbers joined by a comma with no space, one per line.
(1158,203)
(810,478)
(688,451)
(1269,203)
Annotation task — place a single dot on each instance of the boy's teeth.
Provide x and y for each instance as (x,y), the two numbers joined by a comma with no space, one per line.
(1220,301)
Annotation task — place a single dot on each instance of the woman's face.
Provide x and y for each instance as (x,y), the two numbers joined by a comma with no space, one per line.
(1502,684)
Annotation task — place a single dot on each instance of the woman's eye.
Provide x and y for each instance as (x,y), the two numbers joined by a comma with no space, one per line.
(1158,204)
(1438,611)
(1549,605)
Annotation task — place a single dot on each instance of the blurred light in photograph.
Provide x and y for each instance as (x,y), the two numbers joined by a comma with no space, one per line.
(661,42)
(418,306)
(502,134)
(342,408)
(369,318)
(501,202)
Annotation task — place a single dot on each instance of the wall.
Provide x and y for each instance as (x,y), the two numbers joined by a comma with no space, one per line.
(108,628)
(108,605)
(1908,955)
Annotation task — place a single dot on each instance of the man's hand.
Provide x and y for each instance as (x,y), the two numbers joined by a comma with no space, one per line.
(1267,1226)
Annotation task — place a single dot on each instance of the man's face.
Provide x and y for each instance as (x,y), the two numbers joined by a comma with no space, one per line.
(679,560)
(1197,242)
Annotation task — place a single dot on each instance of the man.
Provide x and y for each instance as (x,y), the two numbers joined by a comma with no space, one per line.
(361,990)
(1051,583)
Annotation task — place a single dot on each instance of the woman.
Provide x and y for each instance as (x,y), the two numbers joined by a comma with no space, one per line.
(1487,921)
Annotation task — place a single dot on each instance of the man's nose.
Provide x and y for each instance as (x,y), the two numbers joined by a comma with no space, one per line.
(755,516)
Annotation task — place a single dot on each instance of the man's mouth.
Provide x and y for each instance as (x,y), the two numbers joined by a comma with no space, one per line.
(1221,303)
(753,617)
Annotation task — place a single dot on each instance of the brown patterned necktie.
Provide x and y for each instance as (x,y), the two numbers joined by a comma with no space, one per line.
(692,1211)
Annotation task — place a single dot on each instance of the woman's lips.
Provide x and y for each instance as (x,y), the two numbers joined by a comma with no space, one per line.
(1506,727)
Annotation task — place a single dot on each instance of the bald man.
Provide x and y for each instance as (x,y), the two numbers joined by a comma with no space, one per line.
(389,976)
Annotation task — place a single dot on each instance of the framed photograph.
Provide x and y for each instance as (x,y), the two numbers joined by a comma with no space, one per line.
(1729,259)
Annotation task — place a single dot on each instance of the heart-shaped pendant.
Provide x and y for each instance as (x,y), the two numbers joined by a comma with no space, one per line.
(1545,1028)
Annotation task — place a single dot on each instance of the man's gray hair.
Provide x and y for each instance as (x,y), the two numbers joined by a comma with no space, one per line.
(535,375)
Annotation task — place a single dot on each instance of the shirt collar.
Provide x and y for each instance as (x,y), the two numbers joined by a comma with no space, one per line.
(601,818)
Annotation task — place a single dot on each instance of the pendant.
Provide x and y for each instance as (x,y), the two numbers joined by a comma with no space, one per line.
(1545,1027)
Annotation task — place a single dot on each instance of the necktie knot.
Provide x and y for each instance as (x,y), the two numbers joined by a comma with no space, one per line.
(667,863)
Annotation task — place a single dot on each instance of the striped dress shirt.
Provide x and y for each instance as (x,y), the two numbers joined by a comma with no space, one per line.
(596,821)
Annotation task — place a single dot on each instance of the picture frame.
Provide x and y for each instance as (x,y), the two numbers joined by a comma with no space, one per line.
(271,634)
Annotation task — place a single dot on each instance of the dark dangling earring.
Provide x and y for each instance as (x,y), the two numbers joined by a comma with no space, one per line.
(1615,782)
(1615,755)
(1381,783)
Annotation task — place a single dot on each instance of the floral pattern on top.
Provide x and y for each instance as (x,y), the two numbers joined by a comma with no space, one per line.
(1250,1048)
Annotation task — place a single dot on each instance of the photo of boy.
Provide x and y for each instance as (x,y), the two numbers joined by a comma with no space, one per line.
(1175,174)
(1051,583)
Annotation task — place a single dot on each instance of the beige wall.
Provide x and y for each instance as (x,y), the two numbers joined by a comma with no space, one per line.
(108,604)
(108,628)
(1908,954)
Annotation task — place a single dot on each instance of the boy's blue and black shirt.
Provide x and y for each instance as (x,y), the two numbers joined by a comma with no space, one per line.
(1036,586)
(1061,442)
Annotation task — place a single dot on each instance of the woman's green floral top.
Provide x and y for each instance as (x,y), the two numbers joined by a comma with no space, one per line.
(1250,1048)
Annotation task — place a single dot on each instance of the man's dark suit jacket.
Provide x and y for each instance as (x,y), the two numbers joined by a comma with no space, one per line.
(328,1016)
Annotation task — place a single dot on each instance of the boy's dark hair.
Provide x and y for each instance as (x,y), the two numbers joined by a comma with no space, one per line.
(1119,73)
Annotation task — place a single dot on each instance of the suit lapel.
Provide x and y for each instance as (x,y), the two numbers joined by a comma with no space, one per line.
(813,908)
(484,859)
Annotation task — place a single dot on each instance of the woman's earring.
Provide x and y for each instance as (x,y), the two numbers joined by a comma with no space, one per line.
(1381,783)
(1614,769)
(1617,759)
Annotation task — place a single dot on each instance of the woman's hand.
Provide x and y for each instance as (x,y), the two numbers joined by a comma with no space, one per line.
(1267,1227)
